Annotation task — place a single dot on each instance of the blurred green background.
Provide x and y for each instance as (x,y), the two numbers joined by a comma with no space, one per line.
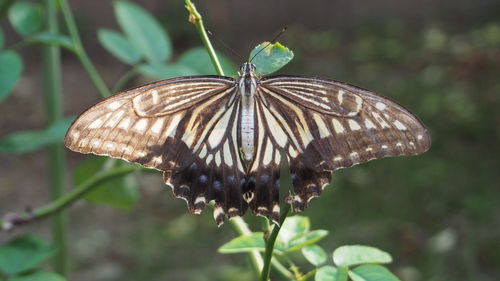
(438,214)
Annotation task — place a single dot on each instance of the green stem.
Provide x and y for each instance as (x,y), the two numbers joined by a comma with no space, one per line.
(282,270)
(122,82)
(52,91)
(241,228)
(308,275)
(270,245)
(67,199)
(195,18)
(80,51)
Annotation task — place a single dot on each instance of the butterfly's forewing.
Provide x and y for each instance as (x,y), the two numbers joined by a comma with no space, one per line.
(179,126)
(331,125)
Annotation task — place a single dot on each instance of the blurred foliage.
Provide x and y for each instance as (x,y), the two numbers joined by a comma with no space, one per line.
(26,17)
(119,192)
(11,66)
(296,234)
(21,257)
(147,46)
(28,141)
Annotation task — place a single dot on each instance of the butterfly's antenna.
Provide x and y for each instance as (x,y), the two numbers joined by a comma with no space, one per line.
(269,43)
(224,44)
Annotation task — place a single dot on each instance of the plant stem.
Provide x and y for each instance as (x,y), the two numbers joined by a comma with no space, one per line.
(67,199)
(270,245)
(52,91)
(122,82)
(80,51)
(195,18)
(241,228)
(309,274)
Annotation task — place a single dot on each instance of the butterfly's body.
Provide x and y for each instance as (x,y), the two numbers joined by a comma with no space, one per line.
(247,84)
(219,138)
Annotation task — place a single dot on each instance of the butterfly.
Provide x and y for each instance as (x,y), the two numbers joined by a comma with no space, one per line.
(221,138)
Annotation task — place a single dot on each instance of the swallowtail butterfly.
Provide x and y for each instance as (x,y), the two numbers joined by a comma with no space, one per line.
(219,138)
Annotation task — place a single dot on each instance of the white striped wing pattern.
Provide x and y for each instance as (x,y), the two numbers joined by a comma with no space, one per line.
(190,128)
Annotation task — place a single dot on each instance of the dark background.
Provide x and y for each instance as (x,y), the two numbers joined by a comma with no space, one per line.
(438,214)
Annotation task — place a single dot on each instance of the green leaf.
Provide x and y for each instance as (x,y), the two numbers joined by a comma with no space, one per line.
(372,272)
(1,38)
(293,226)
(304,239)
(163,71)
(244,243)
(24,253)
(11,67)
(199,60)
(119,46)
(120,192)
(331,273)
(272,58)
(26,141)
(25,17)
(143,31)
(357,254)
(52,39)
(314,254)
(38,276)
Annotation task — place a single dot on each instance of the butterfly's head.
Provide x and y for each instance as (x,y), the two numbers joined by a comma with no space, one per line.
(247,69)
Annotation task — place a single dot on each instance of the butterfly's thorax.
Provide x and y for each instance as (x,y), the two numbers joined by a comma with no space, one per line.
(247,84)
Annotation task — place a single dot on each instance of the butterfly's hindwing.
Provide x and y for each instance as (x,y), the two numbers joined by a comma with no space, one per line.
(210,169)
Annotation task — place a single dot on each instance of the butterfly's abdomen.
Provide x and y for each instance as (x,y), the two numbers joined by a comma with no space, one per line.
(247,130)
(247,86)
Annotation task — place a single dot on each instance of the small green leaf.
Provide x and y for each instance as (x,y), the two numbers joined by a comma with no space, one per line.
(331,273)
(372,272)
(199,60)
(25,17)
(24,253)
(52,39)
(314,254)
(120,192)
(163,71)
(272,58)
(304,239)
(357,254)
(119,46)
(38,276)
(244,243)
(26,141)
(143,31)
(11,67)
(293,226)
(1,38)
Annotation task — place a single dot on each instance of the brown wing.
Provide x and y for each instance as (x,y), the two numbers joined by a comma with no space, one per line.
(182,126)
(326,125)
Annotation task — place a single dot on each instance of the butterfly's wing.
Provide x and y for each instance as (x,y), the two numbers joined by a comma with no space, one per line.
(181,126)
(325,125)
